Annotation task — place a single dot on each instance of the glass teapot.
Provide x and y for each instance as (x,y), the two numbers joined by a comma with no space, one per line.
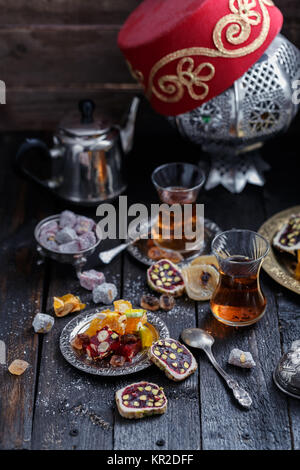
(87,156)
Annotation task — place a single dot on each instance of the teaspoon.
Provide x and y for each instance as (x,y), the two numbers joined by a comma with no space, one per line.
(197,338)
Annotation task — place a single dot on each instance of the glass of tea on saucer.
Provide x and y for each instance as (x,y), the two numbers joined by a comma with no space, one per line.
(178,184)
(238,299)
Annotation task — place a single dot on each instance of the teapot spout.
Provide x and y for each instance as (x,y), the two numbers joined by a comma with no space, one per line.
(127,132)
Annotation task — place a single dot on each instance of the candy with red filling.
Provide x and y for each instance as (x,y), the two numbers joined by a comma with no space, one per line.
(102,344)
(141,399)
(173,358)
(165,277)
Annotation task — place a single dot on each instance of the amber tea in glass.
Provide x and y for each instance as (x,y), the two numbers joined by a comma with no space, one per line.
(238,299)
(176,183)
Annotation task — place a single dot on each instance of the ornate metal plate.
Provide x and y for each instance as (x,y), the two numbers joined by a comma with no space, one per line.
(80,323)
(280,266)
(139,249)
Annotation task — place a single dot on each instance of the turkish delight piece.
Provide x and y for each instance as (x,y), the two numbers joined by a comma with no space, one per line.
(90,279)
(113,320)
(173,358)
(149,302)
(51,226)
(42,323)
(166,302)
(200,281)
(165,277)
(117,360)
(130,346)
(84,224)
(67,219)
(65,235)
(102,344)
(70,247)
(87,240)
(80,340)
(67,304)
(105,293)
(121,306)
(288,237)
(141,399)
(136,318)
(47,239)
(241,359)
(18,367)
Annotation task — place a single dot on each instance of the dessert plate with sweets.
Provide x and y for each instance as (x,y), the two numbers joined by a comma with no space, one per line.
(112,341)
(283,261)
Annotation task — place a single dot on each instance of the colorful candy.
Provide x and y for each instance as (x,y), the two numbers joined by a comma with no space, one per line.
(18,367)
(166,277)
(68,303)
(105,293)
(42,323)
(90,279)
(173,358)
(141,399)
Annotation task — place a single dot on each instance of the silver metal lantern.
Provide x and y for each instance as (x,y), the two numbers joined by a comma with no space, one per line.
(234,125)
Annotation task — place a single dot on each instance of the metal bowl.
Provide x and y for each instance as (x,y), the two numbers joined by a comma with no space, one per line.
(287,373)
(77,259)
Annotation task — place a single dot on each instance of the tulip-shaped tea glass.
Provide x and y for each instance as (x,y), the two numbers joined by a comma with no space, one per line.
(178,183)
(238,299)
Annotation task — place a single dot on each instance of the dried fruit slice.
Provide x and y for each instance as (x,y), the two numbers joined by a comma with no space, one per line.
(173,358)
(211,260)
(141,399)
(166,302)
(166,277)
(288,237)
(200,281)
(149,302)
(122,305)
(102,344)
(66,304)
(18,367)
(113,320)
(135,319)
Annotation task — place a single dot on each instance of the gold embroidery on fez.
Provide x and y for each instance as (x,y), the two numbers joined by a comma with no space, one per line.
(186,76)
(238,23)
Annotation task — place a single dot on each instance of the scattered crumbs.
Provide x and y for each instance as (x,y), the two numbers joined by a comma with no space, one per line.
(94,418)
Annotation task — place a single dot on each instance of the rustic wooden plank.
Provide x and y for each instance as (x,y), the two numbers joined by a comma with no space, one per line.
(260,427)
(73,409)
(66,11)
(21,295)
(54,55)
(44,108)
(172,431)
(288,302)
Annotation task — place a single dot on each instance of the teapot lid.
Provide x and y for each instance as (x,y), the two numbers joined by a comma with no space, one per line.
(85,124)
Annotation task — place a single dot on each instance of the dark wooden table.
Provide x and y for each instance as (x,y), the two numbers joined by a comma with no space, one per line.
(54,406)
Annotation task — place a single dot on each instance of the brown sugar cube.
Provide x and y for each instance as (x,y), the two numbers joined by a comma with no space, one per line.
(18,367)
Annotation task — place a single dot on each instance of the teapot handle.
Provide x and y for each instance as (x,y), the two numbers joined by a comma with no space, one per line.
(25,147)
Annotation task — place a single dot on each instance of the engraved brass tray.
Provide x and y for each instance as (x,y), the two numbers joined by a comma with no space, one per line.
(280,266)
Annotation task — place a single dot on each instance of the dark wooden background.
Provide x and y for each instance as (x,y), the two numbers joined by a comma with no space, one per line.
(54,52)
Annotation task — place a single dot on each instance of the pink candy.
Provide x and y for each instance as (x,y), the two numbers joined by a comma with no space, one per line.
(87,240)
(90,279)
(67,219)
(83,225)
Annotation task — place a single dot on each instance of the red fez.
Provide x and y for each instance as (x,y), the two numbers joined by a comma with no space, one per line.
(185,52)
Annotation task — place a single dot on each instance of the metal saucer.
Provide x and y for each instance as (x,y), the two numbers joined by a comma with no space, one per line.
(139,249)
(80,323)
